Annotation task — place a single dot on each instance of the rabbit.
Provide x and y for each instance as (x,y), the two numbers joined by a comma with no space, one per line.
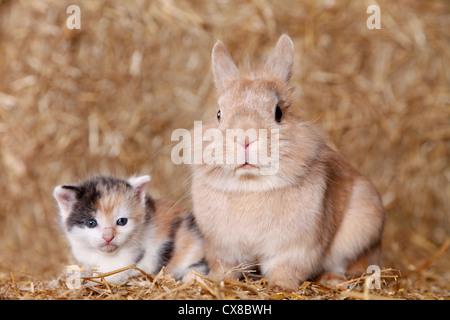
(316,214)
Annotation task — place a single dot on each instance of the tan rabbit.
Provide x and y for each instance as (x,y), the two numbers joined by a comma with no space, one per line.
(313,214)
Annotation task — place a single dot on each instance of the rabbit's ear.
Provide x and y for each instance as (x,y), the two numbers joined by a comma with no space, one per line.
(223,67)
(280,62)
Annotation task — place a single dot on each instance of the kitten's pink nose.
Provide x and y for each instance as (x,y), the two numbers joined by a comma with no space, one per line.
(108,237)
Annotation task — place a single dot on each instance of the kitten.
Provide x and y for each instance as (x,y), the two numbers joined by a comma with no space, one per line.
(111,223)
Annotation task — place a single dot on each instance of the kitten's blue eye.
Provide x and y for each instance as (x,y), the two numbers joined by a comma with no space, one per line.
(91,223)
(122,221)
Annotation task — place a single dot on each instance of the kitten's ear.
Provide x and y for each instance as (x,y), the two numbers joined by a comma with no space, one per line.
(222,66)
(66,196)
(138,184)
(281,60)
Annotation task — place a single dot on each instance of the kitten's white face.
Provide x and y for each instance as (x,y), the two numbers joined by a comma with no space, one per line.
(107,231)
(104,214)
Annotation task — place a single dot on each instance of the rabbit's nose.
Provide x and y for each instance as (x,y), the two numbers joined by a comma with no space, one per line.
(247,139)
(246,146)
(246,142)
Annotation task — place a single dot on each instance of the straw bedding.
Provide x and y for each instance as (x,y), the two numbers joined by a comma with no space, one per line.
(106,98)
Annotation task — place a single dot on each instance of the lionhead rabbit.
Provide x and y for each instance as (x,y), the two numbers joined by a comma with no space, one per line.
(314,214)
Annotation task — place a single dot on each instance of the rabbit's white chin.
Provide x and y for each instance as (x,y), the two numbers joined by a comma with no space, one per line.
(246,180)
(248,169)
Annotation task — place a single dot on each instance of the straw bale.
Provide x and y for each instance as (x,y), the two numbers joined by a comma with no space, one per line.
(106,98)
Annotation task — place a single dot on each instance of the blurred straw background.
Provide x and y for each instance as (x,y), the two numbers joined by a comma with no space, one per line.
(106,98)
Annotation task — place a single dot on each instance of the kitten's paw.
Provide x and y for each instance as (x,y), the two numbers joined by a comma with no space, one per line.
(283,285)
(190,277)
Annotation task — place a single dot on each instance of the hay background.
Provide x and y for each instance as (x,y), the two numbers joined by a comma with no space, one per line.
(106,98)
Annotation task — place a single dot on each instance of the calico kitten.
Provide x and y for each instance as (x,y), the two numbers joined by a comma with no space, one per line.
(111,223)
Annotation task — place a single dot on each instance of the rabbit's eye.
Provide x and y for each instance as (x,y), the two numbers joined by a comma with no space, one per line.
(278,114)
(219,114)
